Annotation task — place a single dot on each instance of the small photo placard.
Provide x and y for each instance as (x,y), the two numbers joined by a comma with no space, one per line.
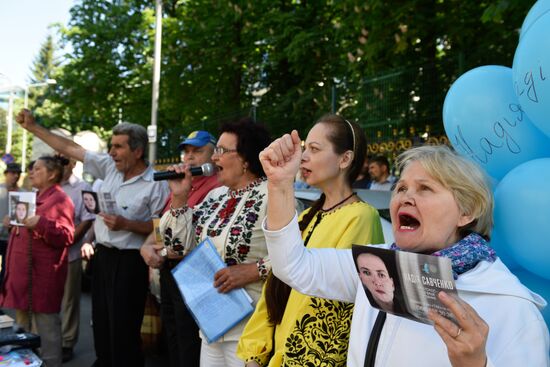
(91,202)
(22,205)
(96,202)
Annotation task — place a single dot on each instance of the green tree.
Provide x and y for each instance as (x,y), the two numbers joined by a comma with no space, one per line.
(106,76)
(389,63)
(45,63)
(204,62)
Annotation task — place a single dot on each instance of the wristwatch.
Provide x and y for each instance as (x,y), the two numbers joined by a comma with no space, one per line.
(163,252)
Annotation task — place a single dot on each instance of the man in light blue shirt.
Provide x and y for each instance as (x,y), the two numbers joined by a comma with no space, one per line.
(120,280)
(379,170)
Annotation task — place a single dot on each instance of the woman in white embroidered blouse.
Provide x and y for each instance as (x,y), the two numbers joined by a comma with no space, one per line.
(231,217)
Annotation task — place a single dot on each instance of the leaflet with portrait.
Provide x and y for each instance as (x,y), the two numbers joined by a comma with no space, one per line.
(96,202)
(404,283)
(22,205)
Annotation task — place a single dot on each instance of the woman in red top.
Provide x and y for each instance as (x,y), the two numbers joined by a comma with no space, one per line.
(41,245)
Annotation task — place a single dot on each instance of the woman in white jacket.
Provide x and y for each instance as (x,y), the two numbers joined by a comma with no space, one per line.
(441,206)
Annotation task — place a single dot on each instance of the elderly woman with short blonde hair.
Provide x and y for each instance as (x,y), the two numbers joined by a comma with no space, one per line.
(442,206)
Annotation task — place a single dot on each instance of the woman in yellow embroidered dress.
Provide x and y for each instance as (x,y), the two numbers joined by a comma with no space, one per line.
(309,330)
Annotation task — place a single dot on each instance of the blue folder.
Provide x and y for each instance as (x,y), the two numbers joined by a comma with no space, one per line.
(215,313)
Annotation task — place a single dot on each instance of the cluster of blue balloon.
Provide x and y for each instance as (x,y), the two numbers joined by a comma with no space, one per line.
(500,118)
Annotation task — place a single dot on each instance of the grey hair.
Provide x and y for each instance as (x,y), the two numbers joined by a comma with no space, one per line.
(137,136)
(465,179)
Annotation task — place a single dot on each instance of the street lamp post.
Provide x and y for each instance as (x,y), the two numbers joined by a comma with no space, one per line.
(26,106)
(9,122)
(152,129)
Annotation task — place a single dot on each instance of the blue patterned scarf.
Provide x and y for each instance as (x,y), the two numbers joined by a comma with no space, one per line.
(466,253)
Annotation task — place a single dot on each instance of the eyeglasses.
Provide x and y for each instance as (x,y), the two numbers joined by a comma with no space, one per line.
(222,150)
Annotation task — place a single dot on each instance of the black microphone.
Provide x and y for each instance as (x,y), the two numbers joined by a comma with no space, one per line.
(206,169)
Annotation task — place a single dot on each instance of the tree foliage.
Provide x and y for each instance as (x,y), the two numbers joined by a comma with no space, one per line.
(45,67)
(45,63)
(286,60)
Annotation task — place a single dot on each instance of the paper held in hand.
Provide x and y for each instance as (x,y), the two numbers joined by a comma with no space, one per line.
(404,283)
(96,202)
(215,313)
(22,205)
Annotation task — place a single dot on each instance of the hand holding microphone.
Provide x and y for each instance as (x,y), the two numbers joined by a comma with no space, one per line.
(179,180)
(206,169)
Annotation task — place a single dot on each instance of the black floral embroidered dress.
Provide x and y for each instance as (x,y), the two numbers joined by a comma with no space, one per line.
(314,331)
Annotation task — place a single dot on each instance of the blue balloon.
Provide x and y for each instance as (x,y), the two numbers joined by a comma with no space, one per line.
(501,249)
(522,214)
(484,122)
(540,8)
(531,72)
(538,285)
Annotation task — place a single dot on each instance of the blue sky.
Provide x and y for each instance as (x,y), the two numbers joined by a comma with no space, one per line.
(23,28)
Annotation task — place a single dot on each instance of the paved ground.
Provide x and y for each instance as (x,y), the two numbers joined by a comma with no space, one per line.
(84,354)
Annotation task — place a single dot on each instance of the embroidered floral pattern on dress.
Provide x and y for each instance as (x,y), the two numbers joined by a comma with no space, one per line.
(173,242)
(176,212)
(237,245)
(263,270)
(320,338)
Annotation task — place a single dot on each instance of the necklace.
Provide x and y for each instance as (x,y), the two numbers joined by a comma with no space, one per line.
(337,204)
(320,214)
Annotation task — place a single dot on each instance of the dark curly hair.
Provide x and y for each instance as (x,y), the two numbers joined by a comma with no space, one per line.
(252,138)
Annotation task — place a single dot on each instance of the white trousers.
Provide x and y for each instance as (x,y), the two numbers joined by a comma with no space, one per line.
(222,354)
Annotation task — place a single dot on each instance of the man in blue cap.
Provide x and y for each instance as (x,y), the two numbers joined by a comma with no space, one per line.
(181,331)
(198,139)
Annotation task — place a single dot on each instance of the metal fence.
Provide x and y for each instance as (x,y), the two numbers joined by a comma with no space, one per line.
(403,107)
(398,109)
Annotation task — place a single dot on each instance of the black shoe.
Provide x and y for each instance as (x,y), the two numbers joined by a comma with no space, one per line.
(67,354)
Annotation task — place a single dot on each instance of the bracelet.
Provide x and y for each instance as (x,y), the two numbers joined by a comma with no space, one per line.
(179,211)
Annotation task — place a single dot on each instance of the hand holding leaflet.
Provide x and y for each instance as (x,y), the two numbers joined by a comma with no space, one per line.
(215,312)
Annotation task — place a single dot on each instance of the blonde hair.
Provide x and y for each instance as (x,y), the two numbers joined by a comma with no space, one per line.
(463,178)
